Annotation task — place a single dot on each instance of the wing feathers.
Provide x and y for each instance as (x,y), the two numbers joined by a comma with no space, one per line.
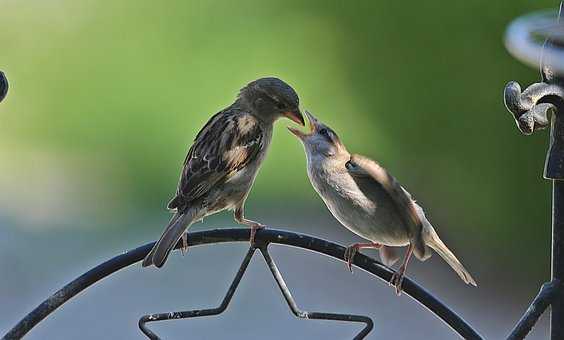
(405,207)
(226,144)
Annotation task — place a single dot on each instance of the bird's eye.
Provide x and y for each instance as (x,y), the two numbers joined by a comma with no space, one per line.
(280,106)
(324,132)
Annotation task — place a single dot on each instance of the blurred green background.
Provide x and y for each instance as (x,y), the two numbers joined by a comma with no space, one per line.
(106,97)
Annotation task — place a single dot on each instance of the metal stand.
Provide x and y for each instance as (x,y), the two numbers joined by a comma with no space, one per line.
(531,109)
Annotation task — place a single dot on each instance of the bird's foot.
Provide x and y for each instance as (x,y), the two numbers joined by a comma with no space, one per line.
(184,247)
(350,252)
(254,227)
(397,280)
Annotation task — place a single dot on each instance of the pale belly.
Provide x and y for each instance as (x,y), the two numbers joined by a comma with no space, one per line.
(232,193)
(372,218)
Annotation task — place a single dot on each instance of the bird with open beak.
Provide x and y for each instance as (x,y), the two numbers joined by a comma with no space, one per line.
(368,201)
(222,164)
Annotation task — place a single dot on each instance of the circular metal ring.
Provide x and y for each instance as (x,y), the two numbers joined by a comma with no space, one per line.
(525,40)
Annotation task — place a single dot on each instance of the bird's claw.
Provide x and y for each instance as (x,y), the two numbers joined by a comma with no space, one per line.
(397,280)
(184,247)
(254,228)
(350,252)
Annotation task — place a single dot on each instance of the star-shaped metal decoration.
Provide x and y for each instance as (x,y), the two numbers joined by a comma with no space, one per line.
(263,248)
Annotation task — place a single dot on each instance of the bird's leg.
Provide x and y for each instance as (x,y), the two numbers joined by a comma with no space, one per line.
(240,218)
(184,247)
(351,251)
(397,278)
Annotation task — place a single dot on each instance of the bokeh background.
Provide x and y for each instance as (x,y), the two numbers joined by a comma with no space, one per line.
(106,97)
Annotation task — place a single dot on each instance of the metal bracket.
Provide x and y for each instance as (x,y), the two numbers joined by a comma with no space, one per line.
(231,291)
(531,109)
(547,294)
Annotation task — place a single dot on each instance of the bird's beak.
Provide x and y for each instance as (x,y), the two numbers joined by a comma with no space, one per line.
(312,124)
(295,116)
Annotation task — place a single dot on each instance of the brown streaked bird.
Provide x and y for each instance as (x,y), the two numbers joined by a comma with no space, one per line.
(222,164)
(368,201)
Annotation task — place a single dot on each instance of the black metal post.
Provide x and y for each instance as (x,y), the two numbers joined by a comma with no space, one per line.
(554,170)
(531,109)
(557,313)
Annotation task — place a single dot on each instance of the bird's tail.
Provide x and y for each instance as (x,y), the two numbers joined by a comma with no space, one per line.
(176,227)
(433,241)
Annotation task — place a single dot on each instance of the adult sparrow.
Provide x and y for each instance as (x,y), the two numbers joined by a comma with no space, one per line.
(222,164)
(368,201)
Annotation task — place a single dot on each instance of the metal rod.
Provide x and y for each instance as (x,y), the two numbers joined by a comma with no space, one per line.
(544,298)
(199,312)
(267,235)
(557,313)
(312,315)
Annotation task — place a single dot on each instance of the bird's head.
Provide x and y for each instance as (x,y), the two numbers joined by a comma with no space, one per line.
(320,140)
(271,98)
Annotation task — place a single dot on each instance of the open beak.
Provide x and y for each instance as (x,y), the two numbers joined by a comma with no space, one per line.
(312,123)
(295,116)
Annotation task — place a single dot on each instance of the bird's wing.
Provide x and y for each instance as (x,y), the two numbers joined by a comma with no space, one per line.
(363,167)
(225,145)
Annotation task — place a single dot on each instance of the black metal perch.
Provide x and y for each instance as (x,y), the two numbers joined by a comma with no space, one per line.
(263,238)
(538,106)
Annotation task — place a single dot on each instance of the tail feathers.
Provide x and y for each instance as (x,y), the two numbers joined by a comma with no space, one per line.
(435,242)
(176,227)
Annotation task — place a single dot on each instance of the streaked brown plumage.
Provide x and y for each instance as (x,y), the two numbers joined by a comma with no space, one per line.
(224,160)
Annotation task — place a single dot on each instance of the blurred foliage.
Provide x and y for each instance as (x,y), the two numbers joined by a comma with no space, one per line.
(106,97)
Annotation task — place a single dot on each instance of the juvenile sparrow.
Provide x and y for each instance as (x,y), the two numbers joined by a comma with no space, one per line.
(371,203)
(222,164)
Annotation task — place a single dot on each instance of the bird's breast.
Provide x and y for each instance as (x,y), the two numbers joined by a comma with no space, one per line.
(369,215)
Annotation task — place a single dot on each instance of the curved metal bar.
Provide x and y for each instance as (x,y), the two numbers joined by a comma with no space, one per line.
(328,248)
(3,86)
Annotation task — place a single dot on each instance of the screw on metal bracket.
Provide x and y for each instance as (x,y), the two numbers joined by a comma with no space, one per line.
(3,86)
(231,291)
